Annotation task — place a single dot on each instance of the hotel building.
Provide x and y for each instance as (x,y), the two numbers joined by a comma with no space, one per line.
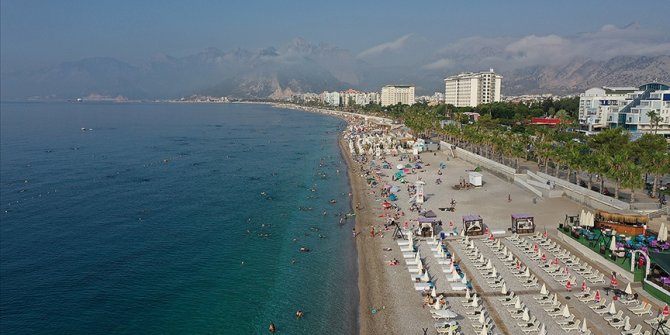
(472,89)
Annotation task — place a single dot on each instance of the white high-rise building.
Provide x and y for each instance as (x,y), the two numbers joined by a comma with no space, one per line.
(393,94)
(471,89)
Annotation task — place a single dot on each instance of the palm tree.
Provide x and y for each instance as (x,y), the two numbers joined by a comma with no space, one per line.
(654,119)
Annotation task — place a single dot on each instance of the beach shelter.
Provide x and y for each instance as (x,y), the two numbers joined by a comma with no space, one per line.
(611,309)
(566,311)
(430,214)
(503,290)
(584,329)
(526,315)
(628,289)
(597,297)
(543,290)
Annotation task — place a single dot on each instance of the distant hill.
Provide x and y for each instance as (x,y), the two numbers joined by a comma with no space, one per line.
(298,67)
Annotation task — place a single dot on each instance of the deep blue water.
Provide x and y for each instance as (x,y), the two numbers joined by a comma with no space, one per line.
(172,219)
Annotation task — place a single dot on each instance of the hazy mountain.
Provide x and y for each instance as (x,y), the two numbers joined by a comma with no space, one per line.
(581,75)
(301,66)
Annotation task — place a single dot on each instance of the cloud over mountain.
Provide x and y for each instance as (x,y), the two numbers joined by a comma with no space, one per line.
(385,47)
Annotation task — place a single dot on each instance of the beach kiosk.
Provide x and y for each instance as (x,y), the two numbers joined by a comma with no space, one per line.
(473,225)
(475,178)
(523,224)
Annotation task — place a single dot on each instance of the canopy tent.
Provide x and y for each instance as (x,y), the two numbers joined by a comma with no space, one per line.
(473,225)
(430,214)
(523,223)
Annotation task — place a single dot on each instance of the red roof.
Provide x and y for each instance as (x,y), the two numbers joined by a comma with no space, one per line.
(544,120)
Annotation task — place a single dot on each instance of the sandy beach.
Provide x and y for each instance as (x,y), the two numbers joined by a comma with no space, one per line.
(389,302)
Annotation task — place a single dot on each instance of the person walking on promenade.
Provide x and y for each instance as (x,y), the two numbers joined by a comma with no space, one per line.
(372,231)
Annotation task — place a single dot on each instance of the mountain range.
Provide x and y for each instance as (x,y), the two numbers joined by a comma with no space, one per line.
(300,67)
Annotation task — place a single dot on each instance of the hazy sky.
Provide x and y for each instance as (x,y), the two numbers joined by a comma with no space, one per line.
(38,33)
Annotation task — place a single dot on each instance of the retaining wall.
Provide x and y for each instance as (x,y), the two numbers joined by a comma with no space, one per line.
(587,197)
(592,255)
(494,167)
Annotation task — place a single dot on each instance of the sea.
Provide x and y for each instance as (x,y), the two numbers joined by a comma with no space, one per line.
(149,218)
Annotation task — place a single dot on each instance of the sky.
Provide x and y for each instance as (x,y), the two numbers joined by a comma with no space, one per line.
(40,33)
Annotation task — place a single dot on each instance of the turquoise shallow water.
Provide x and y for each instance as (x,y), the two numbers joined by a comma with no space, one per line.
(173,219)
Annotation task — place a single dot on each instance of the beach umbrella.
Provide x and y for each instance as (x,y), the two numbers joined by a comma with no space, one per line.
(566,311)
(464,280)
(539,252)
(556,261)
(410,238)
(536,247)
(584,285)
(613,243)
(467,294)
(451,267)
(666,311)
(495,272)
(545,234)
(481,258)
(455,276)
(463,232)
(437,304)
(491,237)
(400,166)
(591,220)
(503,290)
(555,299)
(543,330)
(527,272)
(614,282)
(597,297)
(612,308)
(628,289)
(566,270)
(475,302)
(663,233)
(518,265)
(568,285)
(584,329)
(498,245)
(504,250)
(482,318)
(526,315)
(517,304)
(485,330)
(433,293)
(582,217)
(626,323)
(425,278)
(543,290)
(544,258)
(488,264)
(486,230)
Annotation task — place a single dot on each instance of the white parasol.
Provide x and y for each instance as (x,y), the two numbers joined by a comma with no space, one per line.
(582,217)
(503,290)
(526,315)
(662,233)
(613,244)
(475,302)
(612,308)
(626,323)
(555,299)
(543,290)
(488,264)
(464,280)
(628,289)
(467,294)
(437,304)
(527,272)
(517,304)
(485,330)
(566,311)
(482,318)
(584,329)
(455,276)
(543,330)
(433,293)
(425,278)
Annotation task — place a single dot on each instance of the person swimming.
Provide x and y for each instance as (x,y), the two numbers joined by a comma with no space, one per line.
(299,314)
(272,328)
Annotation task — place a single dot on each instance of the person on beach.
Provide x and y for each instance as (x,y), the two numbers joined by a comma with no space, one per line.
(372,231)
(509,198)
(353,231)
